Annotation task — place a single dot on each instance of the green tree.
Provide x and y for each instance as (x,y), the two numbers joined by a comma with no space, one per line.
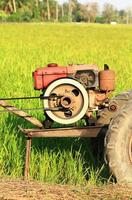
(6,5)
(122,16)
(129,15)
(90,11)
(72,5)
(108,12)
(77,13)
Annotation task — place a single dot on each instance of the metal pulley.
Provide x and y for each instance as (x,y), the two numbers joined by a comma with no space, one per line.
(74,101)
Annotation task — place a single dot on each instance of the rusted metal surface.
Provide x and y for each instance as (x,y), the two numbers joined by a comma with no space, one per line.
(74,101)
(72,92)
(73,68)
(45,75)
(58,132)
(113,107)
(91,131)
(107,80)
(52,65)
(27,161)
(96,98)
(21,113)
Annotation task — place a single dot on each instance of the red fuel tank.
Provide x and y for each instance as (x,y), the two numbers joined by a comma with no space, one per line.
(44,76)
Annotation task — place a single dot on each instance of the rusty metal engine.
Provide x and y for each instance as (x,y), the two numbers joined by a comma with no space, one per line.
(75,91)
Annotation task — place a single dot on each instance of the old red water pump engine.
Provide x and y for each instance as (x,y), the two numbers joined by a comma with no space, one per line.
(75,91)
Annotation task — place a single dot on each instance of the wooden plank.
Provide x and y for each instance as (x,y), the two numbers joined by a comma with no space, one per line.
(63,132)
(21,113)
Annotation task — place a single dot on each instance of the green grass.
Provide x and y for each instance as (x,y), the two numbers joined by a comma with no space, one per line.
(23,47)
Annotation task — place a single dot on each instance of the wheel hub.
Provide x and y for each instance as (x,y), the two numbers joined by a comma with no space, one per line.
(66,102)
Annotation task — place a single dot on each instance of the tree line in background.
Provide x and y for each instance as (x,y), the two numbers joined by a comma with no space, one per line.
(53,11)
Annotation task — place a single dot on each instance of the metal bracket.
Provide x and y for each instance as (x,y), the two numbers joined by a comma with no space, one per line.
(91,131)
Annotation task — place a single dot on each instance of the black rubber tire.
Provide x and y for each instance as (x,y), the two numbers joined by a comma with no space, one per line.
(104,118)
(105,115)
(118,144)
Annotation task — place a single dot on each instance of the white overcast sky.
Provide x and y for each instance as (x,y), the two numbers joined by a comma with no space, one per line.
(120,4)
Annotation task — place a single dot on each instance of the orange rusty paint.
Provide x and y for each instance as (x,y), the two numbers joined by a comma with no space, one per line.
(107,80)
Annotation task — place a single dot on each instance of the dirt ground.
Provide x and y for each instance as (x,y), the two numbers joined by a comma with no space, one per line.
(32,190)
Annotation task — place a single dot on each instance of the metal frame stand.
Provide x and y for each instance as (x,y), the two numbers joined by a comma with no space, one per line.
(90,131)
(54,133)
(28,155)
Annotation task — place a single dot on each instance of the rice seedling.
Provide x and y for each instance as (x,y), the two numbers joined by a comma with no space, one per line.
(23,47)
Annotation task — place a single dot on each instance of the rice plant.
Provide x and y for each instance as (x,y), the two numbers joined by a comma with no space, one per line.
(23,47)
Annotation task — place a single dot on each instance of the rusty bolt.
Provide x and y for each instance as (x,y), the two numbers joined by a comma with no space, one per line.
(113,107)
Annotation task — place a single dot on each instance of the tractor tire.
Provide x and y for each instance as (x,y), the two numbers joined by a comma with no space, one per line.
(104,118)
(118,144)
(120,100)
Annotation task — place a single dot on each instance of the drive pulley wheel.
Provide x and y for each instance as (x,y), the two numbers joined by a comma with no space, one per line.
(73,101)
(118,144)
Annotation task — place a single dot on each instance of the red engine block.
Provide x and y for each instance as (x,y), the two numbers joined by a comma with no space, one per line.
(44,76)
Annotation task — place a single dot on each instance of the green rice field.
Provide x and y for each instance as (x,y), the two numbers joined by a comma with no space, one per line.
(23,47)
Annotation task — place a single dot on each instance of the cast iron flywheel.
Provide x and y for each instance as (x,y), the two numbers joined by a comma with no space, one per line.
(74,101)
